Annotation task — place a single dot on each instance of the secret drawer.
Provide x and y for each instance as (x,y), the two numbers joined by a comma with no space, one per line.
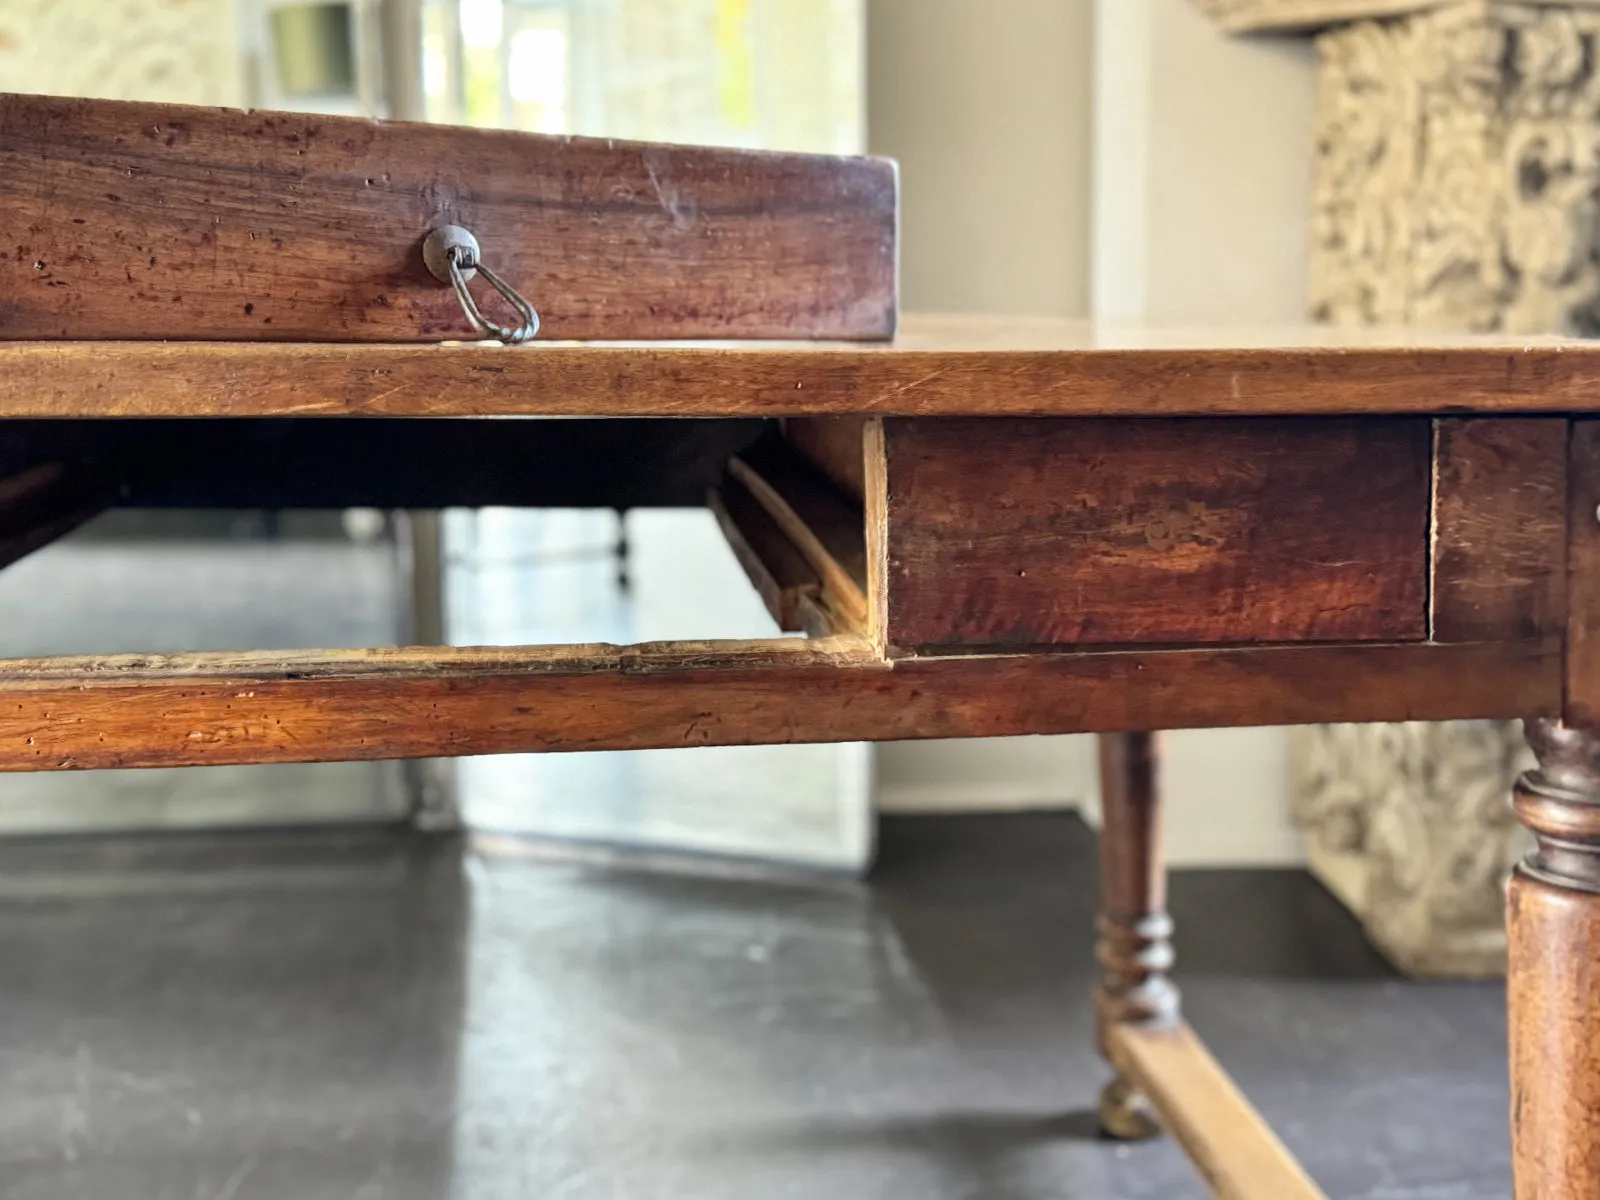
(1010,533)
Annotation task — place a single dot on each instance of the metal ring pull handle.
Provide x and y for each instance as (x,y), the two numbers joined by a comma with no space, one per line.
(453,257)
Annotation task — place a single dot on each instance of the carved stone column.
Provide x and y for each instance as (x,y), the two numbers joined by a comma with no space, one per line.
(1458,162)
(1411,827)
(1457,189)
(178,51)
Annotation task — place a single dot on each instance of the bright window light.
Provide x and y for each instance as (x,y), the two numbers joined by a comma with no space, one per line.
(537,72)
(481,23)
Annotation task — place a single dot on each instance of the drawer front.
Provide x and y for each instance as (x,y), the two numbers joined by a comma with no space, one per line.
(1008,533)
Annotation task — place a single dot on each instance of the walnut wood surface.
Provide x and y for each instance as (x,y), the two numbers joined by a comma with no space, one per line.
(1234,1150)
(1500,528)
(1583,575)
(835,445)
(1553,930)
(1554,942)
(991,366)
(420,702)
(1013,533)
(131,220)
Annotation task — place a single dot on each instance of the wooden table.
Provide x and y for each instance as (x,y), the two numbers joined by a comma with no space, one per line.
(986,527)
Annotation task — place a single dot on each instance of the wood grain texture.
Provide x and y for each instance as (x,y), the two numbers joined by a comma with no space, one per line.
(1234,1150)
(1500,528)
(1554,945)
(1553,976)
(976,367)
(835,446)
(423,702)
(1010,533)
(1583,575)
(131,220)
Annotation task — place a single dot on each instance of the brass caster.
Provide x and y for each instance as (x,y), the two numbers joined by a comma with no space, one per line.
(1125,1114)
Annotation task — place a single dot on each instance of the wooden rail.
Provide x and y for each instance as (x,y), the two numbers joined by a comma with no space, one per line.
(1230,1145)
(193,709)
(935,367)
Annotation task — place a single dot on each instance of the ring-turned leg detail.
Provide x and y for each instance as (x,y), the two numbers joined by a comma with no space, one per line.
(1135,934)
(1553,978)
(1124,1113)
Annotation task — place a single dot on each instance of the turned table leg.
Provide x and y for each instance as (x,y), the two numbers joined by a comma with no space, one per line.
(1135,933)
(1553,982)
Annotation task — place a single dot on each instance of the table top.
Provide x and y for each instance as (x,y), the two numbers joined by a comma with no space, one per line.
(934,366)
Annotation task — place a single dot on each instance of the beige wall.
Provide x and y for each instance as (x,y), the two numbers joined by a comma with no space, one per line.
(1202,169)
(1202,190)
(986,106)
(1120,157)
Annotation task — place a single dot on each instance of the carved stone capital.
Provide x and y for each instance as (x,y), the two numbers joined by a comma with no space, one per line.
(1458,169)
(1412,827)
(1287,16)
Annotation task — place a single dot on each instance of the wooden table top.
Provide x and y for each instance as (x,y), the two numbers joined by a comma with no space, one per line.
(935,366)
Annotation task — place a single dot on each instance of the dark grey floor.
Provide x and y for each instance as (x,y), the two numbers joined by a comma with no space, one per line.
(380,1017)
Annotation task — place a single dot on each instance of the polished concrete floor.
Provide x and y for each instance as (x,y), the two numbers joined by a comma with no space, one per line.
(383,1017)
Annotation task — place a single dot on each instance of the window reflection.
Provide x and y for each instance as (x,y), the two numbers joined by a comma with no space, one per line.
(771,74)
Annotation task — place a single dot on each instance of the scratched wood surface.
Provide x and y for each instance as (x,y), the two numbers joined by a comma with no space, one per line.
(131,220)
(198,709)
(1552,929)
(1500,528)
(1555,1040)
(1583,575)
(976,366)
(1235,1151)
(1013,533)
(836,445)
